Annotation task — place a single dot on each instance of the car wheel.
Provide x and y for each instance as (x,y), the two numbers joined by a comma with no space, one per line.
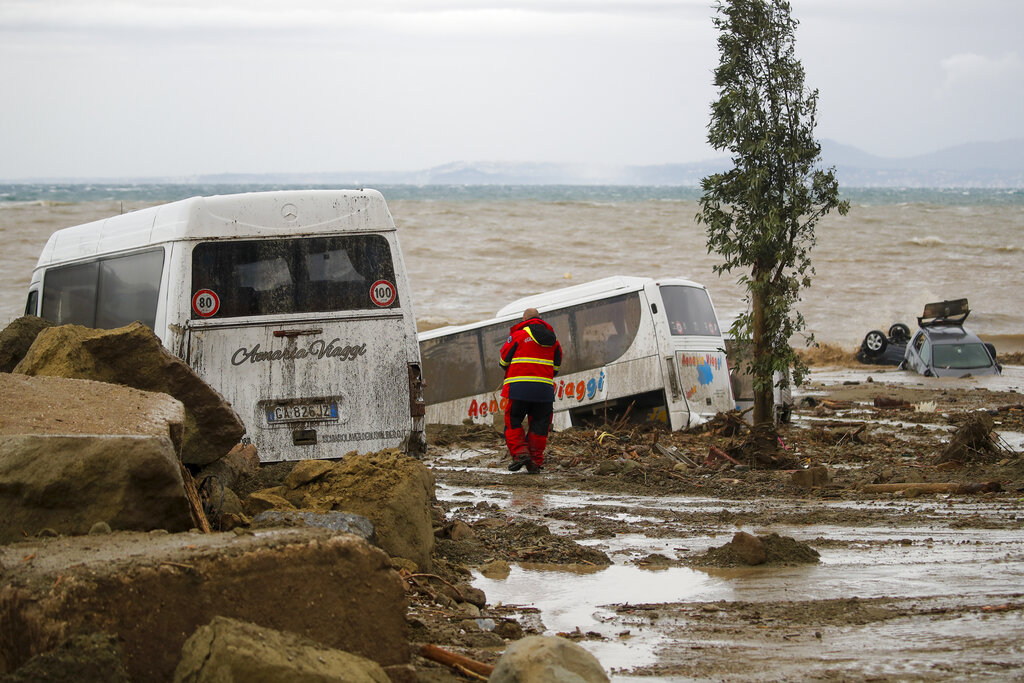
(875,342)
(899,333)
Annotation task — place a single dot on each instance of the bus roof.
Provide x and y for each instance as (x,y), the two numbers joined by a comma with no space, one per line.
(588,291)
(251,214)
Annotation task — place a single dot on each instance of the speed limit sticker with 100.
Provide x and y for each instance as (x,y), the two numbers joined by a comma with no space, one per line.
(382,293)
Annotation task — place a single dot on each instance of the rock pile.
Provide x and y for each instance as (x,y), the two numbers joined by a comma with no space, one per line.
(392,490)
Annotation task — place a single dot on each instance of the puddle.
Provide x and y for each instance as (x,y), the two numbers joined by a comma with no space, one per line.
(569,600)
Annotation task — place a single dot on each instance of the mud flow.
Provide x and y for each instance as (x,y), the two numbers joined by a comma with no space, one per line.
(904,585)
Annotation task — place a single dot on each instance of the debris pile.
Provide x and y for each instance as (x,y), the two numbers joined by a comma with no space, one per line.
(746,549)
(973,441)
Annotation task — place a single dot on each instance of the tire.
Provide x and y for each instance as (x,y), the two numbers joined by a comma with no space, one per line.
(875,342)
(899,333)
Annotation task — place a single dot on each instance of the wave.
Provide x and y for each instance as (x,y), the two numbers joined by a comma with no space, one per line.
(929,241)
(1008,248)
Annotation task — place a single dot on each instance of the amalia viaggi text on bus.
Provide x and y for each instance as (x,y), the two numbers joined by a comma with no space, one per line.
(294,305)
(651,346)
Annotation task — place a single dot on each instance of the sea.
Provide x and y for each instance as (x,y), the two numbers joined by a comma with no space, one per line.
(470,250)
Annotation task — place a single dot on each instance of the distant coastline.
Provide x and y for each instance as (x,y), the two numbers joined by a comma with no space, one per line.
(159,192)
(975,166)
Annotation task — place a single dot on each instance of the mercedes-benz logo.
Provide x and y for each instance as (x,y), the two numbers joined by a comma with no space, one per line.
(290,212)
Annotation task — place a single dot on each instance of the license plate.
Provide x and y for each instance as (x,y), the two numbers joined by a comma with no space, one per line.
(302,412)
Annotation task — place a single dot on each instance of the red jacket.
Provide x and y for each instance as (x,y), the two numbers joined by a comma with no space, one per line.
(531,358)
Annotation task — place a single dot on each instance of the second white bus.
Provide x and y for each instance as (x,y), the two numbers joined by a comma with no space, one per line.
(652,347)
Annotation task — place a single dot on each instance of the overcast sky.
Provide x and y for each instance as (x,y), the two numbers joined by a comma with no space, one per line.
(100,88)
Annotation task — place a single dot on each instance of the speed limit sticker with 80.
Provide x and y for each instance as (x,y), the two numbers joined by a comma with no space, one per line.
(205,303)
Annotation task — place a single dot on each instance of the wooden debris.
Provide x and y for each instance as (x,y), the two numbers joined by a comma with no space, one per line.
(852,435)
(674,453)
(454,660)
(718,453)
(883,401)
(195,503)
(835,404)
(729,423)
(974,441)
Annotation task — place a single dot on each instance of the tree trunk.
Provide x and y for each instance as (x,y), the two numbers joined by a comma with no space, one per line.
(764,401)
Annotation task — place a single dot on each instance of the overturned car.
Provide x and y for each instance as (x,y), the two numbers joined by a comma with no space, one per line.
(941,347)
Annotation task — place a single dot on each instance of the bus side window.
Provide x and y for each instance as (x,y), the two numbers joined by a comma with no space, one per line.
(128,290)
(33,300)
(452,367)
(105,294)
(559,321)
(69,294)
(492,338)
(606,330)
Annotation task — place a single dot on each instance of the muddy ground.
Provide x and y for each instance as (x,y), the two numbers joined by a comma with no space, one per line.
(621,542)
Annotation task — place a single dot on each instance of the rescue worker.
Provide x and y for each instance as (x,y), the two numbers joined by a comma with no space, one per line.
(531,357)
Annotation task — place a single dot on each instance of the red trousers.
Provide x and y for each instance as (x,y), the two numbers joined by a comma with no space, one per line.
(530,442)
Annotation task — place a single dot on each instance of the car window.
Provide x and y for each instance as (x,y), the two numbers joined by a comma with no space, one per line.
(961,356)
(919,341)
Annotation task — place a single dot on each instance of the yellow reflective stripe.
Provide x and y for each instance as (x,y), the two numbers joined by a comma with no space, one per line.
(539,361)
(544,380)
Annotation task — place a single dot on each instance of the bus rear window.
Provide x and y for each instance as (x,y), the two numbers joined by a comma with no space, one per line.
(689,311)
(298,275)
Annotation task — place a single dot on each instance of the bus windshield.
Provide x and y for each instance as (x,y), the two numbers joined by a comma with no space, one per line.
(301,275)
(689,311)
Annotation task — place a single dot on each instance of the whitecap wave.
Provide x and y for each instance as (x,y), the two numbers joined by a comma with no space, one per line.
(928,241)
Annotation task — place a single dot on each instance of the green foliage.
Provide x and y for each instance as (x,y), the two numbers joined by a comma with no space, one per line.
(760,214)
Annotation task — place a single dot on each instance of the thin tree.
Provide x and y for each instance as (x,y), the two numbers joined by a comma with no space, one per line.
(760,215)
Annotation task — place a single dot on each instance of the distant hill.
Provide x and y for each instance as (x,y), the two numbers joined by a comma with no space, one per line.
(978,164)
(981,164)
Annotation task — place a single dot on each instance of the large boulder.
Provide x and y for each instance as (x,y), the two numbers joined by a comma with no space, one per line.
(16,338)
(69,483)
(547,659)
(392,490)
(241,463)
(133,356)
(228,650)
(55,405)
(153,591)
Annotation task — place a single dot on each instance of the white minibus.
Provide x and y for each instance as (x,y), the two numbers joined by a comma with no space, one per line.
(651,347)
(294,305)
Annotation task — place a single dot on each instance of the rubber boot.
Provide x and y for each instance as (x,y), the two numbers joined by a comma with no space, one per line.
(536,443)
(515,440)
